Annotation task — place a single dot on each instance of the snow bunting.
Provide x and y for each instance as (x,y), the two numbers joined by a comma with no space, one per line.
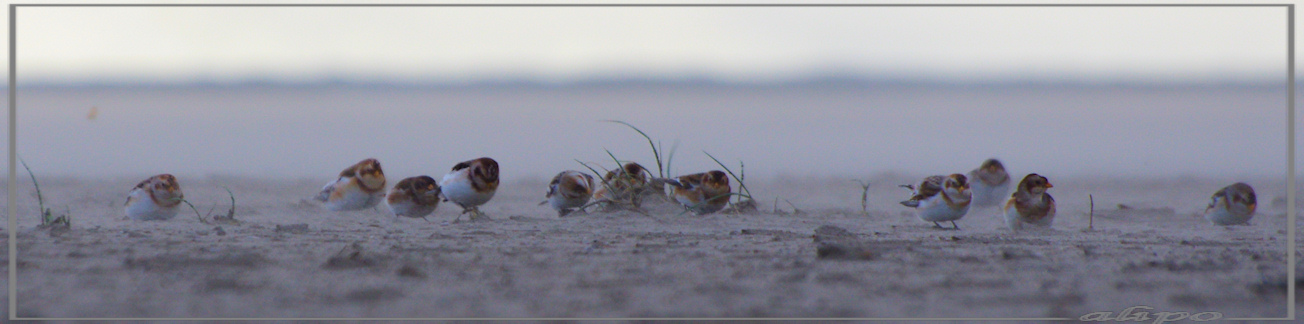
(569,190)
(413,197)
(702,193)
(1233,205)
(1030,203)
(990,184)
(941,199)
(156,198)
(359,186)
(471,184)
(627,183)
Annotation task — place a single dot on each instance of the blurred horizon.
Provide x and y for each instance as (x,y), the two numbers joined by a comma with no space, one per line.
(535,130)
(282,91)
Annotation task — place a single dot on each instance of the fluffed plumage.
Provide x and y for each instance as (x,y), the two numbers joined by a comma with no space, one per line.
(156,198)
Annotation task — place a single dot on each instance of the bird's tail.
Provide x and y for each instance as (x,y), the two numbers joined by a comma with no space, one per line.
(673,182)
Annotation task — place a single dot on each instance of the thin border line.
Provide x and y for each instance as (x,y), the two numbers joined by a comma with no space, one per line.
(1290,163)
(12,182)
(642,5)
(13,170)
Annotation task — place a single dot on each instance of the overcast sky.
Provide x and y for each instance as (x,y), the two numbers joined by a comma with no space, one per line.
(448,44)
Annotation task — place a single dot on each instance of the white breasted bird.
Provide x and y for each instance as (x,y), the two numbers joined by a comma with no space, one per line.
(1030,204)
(156,198)
(1232,205)
(358,187)
(990,184)
(702,193)
(569,190)
(414,197)
(471,184)
(941,199)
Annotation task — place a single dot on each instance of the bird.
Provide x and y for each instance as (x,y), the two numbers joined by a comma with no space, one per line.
(358,187)
(1232,205)
(471,184)
(156,198)
(626,184)
(568,190)
(414,197)
(1030,203)
(990,184)
(941,199)
(702,193)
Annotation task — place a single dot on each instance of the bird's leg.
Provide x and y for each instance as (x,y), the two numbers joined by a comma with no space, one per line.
(935,224)
(956,227)
(476,214)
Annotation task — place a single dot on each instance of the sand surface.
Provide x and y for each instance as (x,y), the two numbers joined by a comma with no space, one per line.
(526,262)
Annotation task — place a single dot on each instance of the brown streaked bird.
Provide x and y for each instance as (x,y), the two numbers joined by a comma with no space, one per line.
(990,184)
(413,197)
(941,199)
(359,186)
(1232,205)
(156,198)
(1030,204)
(471,184)
(569,190)
(627,183)
(702,193)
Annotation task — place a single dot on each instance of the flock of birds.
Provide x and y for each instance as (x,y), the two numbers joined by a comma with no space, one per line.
(472,183)
(948,198)
(469,184)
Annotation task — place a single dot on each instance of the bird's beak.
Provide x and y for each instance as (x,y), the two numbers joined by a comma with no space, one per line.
(1048,185)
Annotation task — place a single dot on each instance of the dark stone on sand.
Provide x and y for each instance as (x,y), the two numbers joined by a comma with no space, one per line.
(351,257)
(830,230)
(1017,254)
(374,294)
(1274,286)
(292,228)
(176,262)
(409,271)
(840,251)
(224,284)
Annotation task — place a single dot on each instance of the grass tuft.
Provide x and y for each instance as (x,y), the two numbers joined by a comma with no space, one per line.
(48,220)
(229,218)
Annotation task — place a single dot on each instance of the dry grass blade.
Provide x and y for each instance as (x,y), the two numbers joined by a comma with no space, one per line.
(595,172)
(655,153)
(864,196)
(230,213)
(1091,218)
(192,207)
(47,216)
(670,157)
(741,186)
(795,211)
(40,199)
(619,165)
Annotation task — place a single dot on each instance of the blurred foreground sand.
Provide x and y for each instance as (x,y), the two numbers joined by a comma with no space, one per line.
(526,262)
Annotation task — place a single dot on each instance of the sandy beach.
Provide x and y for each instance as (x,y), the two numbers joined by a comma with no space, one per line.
(288,257)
